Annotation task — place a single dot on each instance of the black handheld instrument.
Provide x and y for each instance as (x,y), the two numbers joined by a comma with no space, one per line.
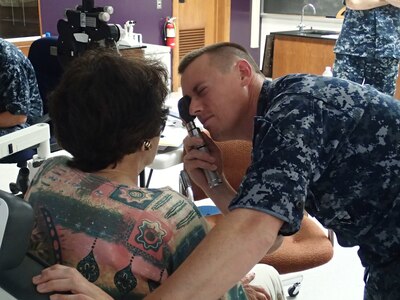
(213,178)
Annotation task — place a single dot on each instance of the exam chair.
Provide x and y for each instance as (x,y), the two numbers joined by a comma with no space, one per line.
(310,247)
(20,158)
(17,266)
(35,140)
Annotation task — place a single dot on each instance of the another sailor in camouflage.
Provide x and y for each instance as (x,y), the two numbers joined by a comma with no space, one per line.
(368,48)
(19,92)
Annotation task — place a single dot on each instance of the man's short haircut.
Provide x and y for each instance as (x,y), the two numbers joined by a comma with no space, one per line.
(106,106)
(221,54)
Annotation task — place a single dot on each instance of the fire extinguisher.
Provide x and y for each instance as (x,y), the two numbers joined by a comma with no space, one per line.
(169,32)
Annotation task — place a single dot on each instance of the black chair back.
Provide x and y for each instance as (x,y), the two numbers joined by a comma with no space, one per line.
(16,267)
(43,56)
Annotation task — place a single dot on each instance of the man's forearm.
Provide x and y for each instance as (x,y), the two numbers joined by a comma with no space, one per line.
(222,196)
(394,3)
(228,252)
(365,4)
(7,119)
(277,244)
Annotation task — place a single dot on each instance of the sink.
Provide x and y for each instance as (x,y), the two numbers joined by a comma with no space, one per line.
(312,33)
(318,32)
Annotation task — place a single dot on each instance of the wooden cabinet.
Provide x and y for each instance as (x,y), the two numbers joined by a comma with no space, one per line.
(24,46)
(295,54)
(301,55)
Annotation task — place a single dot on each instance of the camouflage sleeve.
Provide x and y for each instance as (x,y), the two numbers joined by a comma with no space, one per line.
(283,158)
(309,119)
(18,85)
(293,145)
(16,88)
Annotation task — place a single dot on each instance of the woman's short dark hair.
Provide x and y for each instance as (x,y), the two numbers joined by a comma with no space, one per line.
(106,106)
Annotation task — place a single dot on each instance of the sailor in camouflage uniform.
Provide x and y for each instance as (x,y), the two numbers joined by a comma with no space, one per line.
(20,101)
(332,148)
(327,146)
(368,47)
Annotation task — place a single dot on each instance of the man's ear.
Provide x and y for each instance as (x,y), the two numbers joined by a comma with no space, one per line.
(245,71)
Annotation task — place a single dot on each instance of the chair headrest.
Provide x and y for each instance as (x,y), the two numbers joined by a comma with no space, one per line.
(43,56)
(16,224)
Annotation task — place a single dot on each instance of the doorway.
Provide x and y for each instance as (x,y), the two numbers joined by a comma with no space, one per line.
(198,23)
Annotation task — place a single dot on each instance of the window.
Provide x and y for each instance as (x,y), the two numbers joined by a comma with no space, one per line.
(19,18)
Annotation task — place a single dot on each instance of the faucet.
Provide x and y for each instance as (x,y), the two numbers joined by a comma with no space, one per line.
(302,25)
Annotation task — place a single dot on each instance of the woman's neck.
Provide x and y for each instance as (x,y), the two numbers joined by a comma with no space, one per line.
(126,171)
(120,176)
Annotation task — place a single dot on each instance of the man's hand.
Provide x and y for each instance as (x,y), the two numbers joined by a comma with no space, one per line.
(8,119)
(254,292)
(365,4)
(60,278)
(196,161)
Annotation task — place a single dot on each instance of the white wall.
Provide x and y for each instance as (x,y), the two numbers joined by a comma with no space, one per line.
(278,22)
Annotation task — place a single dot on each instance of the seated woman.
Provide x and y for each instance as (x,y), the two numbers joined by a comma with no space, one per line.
(108,112)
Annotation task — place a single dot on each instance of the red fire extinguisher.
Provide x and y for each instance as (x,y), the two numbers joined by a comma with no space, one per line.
(169,32)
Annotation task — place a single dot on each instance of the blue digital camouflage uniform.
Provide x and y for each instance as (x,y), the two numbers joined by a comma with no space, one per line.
(331,147)
(368,47)
(19,92)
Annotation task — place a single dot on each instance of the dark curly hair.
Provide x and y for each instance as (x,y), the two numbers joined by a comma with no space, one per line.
(106,106)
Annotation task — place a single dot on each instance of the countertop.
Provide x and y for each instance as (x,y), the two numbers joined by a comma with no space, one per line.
(23,39)
(311,33)
(154,49)
(148,48)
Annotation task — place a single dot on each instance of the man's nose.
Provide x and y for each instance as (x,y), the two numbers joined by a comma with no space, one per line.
(195,106)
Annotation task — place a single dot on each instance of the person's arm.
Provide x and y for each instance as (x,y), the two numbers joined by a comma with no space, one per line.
(222,194)
(8,119)
(365,4)
(394,2)
(59,278)
(16,91)
(229,251)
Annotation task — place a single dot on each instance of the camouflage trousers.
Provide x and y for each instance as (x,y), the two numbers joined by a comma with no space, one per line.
(383,282)
(381,73)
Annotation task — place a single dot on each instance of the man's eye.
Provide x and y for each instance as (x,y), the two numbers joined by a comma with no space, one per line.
(201,91)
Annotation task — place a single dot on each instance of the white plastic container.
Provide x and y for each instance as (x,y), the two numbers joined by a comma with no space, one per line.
(327,72)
